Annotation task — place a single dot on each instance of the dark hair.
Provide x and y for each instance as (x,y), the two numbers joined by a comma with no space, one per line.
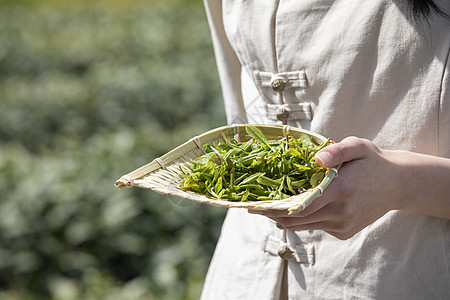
(424,8)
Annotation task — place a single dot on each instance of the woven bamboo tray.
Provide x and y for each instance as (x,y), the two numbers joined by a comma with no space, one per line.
(163,174)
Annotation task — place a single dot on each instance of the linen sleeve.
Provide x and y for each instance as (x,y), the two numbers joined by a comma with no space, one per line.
(444,111)
(228,65)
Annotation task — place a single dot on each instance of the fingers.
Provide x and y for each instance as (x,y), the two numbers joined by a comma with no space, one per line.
(317,221)
(297,221)
(336,227)
(291,222)
(348,149)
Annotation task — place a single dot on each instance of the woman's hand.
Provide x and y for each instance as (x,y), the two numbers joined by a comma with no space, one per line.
(371,182)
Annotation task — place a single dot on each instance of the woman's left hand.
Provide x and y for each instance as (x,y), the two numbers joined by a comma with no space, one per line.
(370,183)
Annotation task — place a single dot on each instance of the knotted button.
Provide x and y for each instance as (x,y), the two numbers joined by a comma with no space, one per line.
(283,114)
(284,252)
(279,225)
(278,85)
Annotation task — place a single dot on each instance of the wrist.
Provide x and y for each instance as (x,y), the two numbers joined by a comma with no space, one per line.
(400,179)
(422,183)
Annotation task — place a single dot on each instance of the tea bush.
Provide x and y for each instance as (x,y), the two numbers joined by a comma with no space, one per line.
(89,92)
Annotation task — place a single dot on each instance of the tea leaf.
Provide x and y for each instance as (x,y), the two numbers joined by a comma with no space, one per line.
(257,135)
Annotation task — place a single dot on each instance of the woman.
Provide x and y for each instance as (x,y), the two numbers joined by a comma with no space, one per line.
(374,75)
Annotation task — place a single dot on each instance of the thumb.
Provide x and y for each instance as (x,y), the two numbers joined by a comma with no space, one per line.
(350,148)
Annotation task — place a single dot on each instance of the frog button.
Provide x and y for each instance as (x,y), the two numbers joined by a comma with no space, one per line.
(279,225)
(278,85)
(284,252)
(283,114)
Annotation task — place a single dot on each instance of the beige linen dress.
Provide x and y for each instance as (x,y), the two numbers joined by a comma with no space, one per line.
(339,68)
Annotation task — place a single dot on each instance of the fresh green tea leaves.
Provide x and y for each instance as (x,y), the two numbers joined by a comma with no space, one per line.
(258,169)
(258,136)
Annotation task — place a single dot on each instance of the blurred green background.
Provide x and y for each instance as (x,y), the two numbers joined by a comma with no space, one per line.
(90,90)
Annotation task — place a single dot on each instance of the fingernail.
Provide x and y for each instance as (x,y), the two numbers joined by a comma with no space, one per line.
(324,158)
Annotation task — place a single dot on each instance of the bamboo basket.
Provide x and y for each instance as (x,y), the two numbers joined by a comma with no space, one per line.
(162,175)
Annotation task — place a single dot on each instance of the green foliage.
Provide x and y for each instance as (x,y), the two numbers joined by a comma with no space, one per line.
(253,170)
(88,94)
